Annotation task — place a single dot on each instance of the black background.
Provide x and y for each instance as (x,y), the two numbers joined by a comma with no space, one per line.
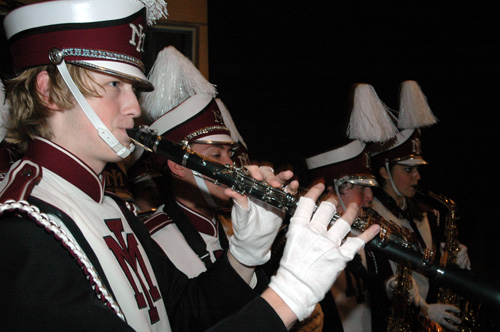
(285,70)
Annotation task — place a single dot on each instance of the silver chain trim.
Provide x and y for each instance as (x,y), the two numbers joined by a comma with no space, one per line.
(91,274)
(100,54)
(205,131)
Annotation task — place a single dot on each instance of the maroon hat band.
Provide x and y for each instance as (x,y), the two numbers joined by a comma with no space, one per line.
(191,122)
(82,41)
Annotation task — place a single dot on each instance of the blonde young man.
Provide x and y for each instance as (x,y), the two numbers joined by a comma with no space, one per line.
(73,257)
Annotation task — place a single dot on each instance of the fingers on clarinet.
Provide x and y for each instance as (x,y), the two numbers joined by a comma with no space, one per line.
(267,171)
(351,212)
(325,213)
(304,210)
(255,172)
(370,233)
(351,246)
(338,231)
(293,187)
(315,191)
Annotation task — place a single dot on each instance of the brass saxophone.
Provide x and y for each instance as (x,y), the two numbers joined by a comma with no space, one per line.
(469,309)
(403,315)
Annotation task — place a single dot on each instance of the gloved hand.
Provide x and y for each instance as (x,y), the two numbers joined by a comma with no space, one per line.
(463,260)
(442,314)
(313,256)
(413,294)
(256,224)
(254,231)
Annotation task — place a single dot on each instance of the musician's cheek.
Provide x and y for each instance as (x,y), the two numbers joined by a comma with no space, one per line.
(367,197)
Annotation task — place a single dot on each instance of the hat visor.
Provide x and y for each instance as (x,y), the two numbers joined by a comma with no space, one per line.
(367,181)
(220,139)
(119,69)
(412,161)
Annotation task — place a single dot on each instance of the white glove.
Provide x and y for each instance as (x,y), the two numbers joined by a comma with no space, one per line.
(463,260)
(254,231)
(313,256)
(442,314)
(414,294)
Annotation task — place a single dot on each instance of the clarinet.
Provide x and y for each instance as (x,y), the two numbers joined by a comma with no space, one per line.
(239,180)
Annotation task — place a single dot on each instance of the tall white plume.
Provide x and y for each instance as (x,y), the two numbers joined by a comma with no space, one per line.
(414,111)
(175,79)
(370,118)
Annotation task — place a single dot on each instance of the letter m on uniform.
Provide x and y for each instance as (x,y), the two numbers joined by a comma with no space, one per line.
(126,250)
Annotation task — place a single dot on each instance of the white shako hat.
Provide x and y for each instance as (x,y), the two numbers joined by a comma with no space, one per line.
(183,107)
(348,163)
(369,122)
(103,35)
(106,36)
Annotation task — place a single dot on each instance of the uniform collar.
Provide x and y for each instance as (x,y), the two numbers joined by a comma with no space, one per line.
(201,223)
(58,160)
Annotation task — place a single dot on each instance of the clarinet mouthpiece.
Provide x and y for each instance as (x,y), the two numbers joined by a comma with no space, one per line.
(132,132)
(144,136)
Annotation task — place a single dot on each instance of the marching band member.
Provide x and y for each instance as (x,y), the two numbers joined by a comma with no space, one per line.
(348,176)
(186,225)
(397,165)
(346,170)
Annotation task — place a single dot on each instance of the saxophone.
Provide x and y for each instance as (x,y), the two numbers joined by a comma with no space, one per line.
(469,309)
(403,315)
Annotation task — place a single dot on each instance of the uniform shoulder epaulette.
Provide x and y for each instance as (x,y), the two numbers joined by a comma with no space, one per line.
(157,222)
(20,181)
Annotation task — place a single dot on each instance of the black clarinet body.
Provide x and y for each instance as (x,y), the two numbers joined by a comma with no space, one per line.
(238,179)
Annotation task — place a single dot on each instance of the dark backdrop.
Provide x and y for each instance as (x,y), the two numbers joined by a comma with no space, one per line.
(285,70)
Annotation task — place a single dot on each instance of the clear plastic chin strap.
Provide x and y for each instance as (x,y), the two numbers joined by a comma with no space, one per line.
(337,191)
(390,178)
(205,192)
(102,130)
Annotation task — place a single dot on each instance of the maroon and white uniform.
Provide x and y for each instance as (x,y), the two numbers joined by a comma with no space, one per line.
(168,236)
(130,285)
(71,186)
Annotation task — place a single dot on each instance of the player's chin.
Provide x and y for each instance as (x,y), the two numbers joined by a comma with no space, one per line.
(411,192)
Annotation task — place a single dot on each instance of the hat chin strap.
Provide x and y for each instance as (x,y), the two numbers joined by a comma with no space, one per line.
(102,130)
(390,179)
(205,192)
(338,195)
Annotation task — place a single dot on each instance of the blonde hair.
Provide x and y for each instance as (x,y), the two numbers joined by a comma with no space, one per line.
(28,110)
